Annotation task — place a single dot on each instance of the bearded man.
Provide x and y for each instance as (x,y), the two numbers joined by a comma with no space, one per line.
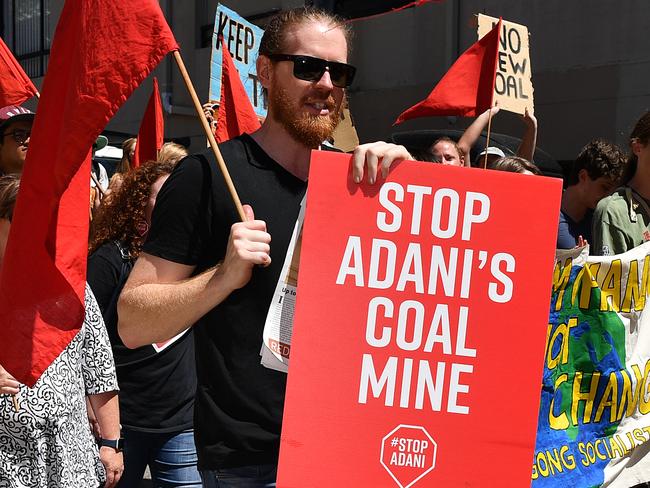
(197,264)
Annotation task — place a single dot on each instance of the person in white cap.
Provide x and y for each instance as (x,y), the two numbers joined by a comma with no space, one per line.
(493,154)
(15,130)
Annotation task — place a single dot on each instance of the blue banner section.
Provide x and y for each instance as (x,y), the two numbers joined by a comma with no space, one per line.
(594,403)
(243,41)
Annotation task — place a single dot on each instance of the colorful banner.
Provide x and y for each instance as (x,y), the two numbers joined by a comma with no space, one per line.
(243,41)
(594,425)
(421,315)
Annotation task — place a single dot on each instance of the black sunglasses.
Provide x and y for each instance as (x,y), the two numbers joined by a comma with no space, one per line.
(312,69)
(19,135)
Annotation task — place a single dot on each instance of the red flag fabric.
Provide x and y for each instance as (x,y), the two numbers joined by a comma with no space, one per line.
(467,89)
(152,130)
(15,85)
(236,114)
(115,44)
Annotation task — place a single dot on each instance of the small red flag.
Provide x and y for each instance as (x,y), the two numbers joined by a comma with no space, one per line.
(15,85)
(467,89)
(152,130)
(236,114)
(116,44)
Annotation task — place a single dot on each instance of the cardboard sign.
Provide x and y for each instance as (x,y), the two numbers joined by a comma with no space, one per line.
(420,327)
(243,41)
(513,86)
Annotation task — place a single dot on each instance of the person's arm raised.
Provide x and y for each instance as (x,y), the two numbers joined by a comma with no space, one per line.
(529,141)
(160,300)
(473,132)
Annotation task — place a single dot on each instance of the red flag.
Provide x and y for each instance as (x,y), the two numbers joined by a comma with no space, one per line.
(467,88)
(115,44)
(15,85)
(236,114)
(152,130)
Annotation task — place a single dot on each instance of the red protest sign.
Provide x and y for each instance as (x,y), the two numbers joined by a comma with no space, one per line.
(420,327)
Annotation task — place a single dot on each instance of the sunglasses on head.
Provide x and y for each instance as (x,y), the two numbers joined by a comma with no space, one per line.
(312,69)
(19,135)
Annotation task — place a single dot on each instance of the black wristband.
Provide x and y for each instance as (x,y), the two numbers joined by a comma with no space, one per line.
(117,444)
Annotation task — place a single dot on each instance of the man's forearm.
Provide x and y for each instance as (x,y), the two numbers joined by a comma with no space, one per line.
(156,312)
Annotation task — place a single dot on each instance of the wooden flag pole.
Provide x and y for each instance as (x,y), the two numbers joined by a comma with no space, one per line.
(97,185)
(210,135)
(487,142)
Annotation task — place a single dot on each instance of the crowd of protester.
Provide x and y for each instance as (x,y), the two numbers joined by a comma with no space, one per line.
(180,294)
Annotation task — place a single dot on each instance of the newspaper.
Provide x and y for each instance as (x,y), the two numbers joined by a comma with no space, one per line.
(276,345)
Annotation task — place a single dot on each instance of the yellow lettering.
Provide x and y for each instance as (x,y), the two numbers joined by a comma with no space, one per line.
(581,448)
(544,471)
(588,283)
(629,396)
(616,449)
(634,298)
(598,453)
(563,330)
(609,399)
(569,461)
(610,291)
(646,276)
(644,401)
(638,435)
(561,422)
(561,280)
(580,396)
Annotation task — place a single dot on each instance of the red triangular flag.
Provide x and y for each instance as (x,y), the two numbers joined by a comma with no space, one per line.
(152,130)
(467,89)
(236,114)
(15,85)
(116,44)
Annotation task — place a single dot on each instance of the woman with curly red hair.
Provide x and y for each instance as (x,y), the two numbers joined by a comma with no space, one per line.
(157,382)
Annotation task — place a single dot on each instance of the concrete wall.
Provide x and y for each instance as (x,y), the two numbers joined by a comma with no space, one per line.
(590,61)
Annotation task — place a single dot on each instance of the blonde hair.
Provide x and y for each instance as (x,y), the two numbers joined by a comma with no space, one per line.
(171,152)
(9,185)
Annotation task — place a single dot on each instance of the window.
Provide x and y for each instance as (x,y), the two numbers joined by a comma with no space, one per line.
(26,30)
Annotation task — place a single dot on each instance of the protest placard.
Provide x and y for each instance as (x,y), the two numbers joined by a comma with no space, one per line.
(594,420)
(513,86)
(243,41)
(420,326)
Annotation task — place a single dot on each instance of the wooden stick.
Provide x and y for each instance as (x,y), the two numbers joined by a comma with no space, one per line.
(97,185)
(210,135)
(14,399)
(487,141)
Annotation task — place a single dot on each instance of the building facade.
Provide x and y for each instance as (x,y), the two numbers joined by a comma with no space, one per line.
(589,60)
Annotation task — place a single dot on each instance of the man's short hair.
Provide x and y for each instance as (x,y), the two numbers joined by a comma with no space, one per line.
(599,158)
(273,40)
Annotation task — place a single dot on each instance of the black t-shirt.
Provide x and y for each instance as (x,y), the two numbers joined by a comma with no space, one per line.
(157,382)
(239,402)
